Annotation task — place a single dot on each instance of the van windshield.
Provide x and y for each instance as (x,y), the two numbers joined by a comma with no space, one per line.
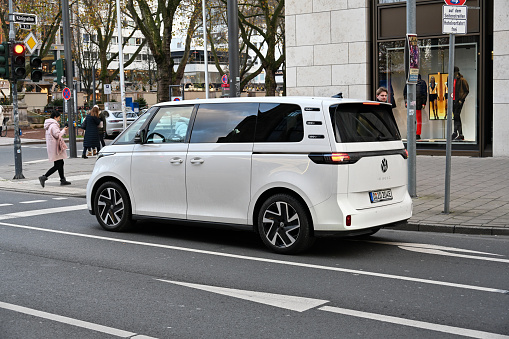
(359,122)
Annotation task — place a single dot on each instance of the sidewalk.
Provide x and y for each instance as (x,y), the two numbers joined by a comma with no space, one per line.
(479,201)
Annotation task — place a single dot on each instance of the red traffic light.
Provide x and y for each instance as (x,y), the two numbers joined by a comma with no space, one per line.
(19,48)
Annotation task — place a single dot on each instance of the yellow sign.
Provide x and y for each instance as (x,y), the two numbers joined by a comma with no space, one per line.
(31,42)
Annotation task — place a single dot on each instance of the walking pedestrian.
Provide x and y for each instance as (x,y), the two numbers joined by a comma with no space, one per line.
(56,148)
(91,126)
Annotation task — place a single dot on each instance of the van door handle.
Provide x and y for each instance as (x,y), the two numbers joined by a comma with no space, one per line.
(197,161)
(176,161)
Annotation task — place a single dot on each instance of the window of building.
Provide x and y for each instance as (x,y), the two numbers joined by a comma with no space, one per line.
(279,123)
(225,123)
(434,63)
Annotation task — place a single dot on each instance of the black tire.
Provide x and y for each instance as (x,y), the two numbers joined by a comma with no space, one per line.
(112,207)
(284,225)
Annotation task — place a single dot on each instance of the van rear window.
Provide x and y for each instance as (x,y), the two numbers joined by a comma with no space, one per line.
(357,122)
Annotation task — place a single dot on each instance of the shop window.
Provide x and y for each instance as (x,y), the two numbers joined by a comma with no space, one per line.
(434,62)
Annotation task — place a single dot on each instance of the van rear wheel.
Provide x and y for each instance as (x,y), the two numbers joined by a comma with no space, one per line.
(112,207)
(284,225)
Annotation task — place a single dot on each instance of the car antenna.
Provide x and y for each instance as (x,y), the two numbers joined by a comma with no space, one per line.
(339,95)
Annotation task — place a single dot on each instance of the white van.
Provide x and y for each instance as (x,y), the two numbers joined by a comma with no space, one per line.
(289,168)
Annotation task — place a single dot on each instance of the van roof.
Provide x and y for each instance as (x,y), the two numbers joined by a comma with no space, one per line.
(304,100)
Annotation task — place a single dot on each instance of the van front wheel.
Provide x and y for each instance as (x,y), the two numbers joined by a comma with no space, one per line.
(112,207)
(284,225)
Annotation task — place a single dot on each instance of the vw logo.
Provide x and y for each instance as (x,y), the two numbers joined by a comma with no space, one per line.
(385,165)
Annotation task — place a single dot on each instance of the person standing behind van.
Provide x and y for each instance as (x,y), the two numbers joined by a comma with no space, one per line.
(420,103)
(56,148)
(102,127)
(91,127)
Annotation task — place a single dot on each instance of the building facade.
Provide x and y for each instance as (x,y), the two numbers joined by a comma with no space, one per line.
(356,46)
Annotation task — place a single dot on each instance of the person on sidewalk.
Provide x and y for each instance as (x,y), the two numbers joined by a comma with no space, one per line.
(421,96)
(1,119)
(381,94)
(460,92)
(57,149)
(91,127)
(102,126)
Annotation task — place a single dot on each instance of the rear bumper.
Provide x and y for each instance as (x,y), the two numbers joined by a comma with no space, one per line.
(331,214)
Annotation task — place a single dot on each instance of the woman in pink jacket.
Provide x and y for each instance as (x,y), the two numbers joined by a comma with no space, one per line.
(56,148)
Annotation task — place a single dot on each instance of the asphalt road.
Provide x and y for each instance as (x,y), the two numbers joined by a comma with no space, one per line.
(62,276)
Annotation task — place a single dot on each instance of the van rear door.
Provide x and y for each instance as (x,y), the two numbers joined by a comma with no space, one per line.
(368,136)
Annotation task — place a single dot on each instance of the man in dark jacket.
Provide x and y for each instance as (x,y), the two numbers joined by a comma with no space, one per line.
(460,91)
(420,103)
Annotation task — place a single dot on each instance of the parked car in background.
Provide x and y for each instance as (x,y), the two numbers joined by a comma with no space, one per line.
(115,121)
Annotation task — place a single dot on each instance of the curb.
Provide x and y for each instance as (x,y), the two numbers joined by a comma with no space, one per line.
(456,229)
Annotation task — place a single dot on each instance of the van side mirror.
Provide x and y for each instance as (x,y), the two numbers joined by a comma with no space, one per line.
(139,138)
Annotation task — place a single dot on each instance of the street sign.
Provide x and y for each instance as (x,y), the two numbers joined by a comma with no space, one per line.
(66,93)
(31,43)
(455,2)
(454,19)
(224,79)
(225,85)
(23,18)
(107,88)
(177,98)
(24,26)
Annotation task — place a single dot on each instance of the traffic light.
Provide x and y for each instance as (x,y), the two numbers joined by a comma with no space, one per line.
(4,60)
(58,71)
(18,61)
(35,64)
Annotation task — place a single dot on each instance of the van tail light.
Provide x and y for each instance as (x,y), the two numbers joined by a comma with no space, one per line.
(406,154)
(348,220)
(332,158)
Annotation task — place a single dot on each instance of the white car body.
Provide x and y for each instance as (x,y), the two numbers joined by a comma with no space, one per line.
(227,183)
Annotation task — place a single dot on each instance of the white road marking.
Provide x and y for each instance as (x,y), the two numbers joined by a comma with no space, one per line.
(289,302)
(272,261)
(60,198)
(71,321)
(414,323)
(442,250)
(301,304)
(35,161)
(434,247)
(32,201)
(2,205)
(43,211)
(438,252)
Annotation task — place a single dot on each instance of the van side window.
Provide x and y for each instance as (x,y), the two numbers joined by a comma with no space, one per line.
(225,123)
(169,125)
(279,123)
(128,136)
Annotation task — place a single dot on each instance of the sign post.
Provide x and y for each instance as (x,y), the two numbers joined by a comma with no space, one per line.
(412,62)
(454,21)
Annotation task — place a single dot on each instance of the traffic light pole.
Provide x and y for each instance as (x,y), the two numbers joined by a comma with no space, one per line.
(69,76)
(17,141)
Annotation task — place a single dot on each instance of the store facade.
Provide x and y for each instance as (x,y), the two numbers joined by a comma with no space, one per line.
(365,43)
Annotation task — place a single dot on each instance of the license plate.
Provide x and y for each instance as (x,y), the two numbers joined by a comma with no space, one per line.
(382,195)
